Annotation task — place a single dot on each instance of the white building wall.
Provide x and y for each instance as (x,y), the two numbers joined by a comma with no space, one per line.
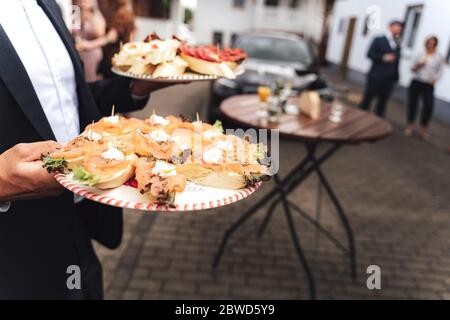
(220,15)
(435,20)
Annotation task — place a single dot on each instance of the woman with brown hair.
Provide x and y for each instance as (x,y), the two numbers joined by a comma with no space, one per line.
(120,30)
(427,69)
(93,26)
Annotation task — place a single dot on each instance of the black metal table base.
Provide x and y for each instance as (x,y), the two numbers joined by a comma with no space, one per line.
(279,194)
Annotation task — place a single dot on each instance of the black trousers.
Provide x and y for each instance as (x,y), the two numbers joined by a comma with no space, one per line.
(417,90)
(380,90)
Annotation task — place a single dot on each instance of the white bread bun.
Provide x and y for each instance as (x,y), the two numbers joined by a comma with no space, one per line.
(141,68)
(116,180)
(75,162)
(119,178)
(170,69)
(159,51)
(207,67)
(207,177)
(128,54)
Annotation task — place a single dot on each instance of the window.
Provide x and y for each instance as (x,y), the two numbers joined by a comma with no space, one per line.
(271,3)
(294,4)
(412,21)
(159,9)
(238,3)
(218,38)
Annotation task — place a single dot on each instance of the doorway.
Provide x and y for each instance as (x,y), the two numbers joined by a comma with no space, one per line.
(347,46)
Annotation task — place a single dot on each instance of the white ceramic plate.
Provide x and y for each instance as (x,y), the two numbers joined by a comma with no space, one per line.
(195,197)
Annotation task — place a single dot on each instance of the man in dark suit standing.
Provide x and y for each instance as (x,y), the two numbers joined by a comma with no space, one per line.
(45,238)
(384,72)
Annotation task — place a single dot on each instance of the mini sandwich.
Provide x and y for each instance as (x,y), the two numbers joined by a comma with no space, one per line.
(72,155)
(158,51)
(173,68)
(159,181)
(226,163)
(212,61)
(106,170)
(117,127)
(154,143)
(128,54)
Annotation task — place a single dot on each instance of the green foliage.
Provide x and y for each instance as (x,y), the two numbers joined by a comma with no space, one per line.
(85,177)
(218,126)
(54,165)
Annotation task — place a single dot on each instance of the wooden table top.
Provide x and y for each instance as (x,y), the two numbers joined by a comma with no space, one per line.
(356,125)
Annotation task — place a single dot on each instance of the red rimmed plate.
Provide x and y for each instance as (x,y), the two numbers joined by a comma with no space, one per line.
(195,197)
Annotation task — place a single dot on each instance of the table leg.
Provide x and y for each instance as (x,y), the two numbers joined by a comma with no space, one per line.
(269,213)
(299,175)
(297,246)
(318,215)
(341,214)
(250,212)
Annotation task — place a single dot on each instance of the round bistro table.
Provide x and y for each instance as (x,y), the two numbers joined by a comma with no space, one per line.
(356,127)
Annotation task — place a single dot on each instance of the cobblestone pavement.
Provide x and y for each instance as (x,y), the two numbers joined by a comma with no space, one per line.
(395,192)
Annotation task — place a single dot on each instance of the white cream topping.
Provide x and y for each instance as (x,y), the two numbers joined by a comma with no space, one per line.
(159,136)
(210,134)
(112,153)
(159,120)
(163,169)
(225,145)
(112,119)
(213,155)
(92,135)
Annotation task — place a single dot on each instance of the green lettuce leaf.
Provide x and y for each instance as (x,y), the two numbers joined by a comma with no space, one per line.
(85,177)
(54,165)
(218,126)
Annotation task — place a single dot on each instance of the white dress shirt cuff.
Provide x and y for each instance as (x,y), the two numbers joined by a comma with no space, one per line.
(4,206)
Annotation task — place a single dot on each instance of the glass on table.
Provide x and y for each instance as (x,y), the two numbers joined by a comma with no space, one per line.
(337,110)
(264,95)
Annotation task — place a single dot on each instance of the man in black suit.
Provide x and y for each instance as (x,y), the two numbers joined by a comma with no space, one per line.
(45,238)
(385,55)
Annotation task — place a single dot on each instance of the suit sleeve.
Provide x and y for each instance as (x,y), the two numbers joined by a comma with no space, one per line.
(375,54)
(115,92)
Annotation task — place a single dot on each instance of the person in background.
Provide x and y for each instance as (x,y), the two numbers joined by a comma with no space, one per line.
(121,30)
(427,68)
(385,55)
(93,26)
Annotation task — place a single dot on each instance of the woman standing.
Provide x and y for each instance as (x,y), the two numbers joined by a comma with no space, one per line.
(93,26)
(120,30)
(427,69)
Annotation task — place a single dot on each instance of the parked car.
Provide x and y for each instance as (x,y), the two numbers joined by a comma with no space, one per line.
(272,56)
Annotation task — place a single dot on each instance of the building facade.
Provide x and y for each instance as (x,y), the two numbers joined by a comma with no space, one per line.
(354,23)
(220,20)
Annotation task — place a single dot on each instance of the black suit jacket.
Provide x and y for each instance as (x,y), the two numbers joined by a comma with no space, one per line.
(380,70)
(39,239)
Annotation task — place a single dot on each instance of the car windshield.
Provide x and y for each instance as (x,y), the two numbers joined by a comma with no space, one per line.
(275,49)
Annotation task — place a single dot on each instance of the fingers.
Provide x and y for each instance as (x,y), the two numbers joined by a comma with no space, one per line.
(38,178)
(33,151)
